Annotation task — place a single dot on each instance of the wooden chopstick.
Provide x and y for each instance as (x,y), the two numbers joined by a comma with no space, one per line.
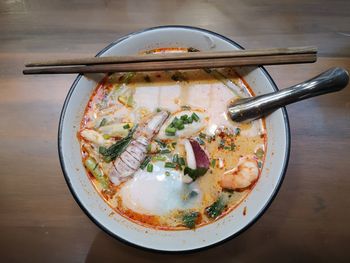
(181,61)
(175,56)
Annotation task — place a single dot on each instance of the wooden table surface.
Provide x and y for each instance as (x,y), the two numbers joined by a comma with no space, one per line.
(39,219)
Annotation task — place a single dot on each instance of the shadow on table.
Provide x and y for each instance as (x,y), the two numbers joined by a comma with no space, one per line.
(254,245)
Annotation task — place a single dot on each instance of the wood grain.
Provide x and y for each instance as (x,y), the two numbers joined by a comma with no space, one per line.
(39,219)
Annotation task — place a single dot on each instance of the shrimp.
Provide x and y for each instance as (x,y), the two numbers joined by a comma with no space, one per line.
(242,176)
(135,153)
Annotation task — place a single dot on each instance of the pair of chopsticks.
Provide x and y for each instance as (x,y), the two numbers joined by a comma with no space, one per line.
(173,61)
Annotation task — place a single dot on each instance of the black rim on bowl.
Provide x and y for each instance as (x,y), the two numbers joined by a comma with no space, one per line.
(76,197)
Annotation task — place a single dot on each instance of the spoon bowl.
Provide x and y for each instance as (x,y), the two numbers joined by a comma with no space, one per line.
(246,109)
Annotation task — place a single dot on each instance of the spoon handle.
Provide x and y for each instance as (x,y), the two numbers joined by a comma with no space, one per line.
(332,80)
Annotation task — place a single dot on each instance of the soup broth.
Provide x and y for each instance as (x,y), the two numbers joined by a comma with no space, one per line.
(161,150)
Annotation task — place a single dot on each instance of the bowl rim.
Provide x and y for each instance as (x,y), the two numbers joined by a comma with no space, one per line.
(91,217)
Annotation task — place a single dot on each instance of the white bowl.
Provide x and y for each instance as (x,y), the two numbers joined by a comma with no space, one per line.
(227,227)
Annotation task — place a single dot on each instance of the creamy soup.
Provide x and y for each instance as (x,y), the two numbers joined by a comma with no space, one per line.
(161,150)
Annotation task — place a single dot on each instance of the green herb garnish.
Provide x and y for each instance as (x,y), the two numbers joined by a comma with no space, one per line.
(126,126)
(202,135)
(200,141)
(159,158)
(237,131)
(145,162)
(195,173)
(176,158)
(103,122)
(170,131)
(111,153)
(170,165)
(177,123)
(189,219)
(165,151)
(181,127)
(184,117)
(149,148)
(90,164)
(195,117)
(260,153)
(93,168)
(173,121)
(130,101)
(186,107)
(182,161)
(150,168)
(161,144)
(216,208)
(222,143)
(213,163)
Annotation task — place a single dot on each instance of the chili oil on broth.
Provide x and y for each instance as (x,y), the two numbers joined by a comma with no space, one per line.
(159,198)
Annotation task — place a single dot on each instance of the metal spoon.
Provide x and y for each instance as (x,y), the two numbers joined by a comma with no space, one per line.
(332,80)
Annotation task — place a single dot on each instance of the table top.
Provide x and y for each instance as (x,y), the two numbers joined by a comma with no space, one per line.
(39,219)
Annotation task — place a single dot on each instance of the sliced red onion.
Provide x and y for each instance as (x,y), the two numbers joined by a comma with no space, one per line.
(197,160)
(190,157)
(202,160)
